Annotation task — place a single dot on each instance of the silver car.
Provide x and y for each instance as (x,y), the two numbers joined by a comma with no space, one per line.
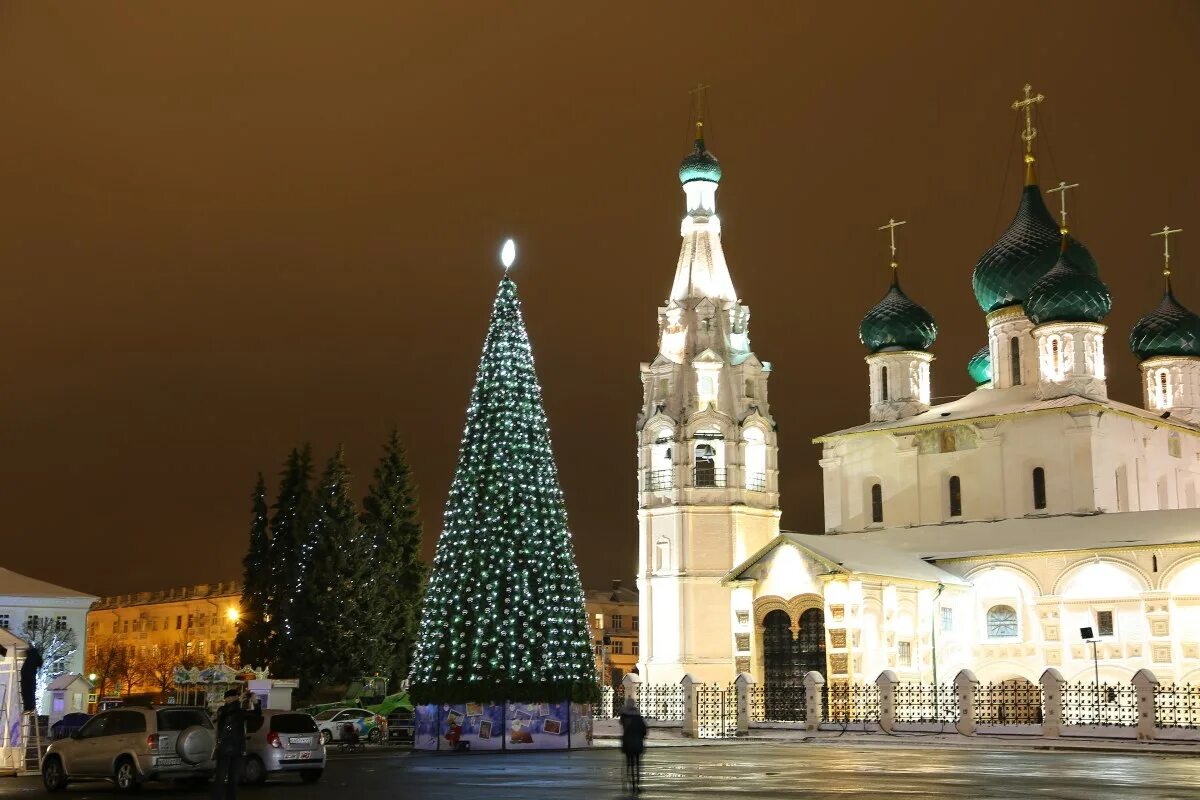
(283,741)
(134,744)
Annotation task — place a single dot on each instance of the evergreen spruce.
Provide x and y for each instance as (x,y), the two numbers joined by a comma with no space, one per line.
(254,639)
(290,560)
(330,613)
(390,581)
(503,617)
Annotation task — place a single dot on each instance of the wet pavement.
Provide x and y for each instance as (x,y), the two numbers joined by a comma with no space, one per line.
(826,770)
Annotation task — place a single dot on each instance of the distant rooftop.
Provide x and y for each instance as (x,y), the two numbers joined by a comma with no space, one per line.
(13,584)
(616,593)
(198,592)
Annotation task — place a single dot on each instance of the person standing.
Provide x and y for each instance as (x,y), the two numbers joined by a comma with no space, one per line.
(231,742)
(633,743)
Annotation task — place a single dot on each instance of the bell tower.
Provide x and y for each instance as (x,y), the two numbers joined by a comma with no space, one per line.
(708,492)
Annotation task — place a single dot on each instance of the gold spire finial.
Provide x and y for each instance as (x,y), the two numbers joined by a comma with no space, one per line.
(1062,188)
(1030,132)
(890,227)
(699,102)
(1166,232)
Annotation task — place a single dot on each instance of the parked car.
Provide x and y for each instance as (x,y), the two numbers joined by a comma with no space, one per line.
(370,726)
(68,725)
(283,741)
(400,726)
(131,745)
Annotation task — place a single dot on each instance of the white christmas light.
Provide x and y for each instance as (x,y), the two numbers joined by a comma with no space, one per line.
(508,254)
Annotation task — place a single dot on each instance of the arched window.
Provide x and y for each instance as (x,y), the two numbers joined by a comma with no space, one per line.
(1163,385)
(756,460)
(876,503)
(706,465)
(955,496)
(1039,488)
(1002,622)
(1015,361)
(883,384)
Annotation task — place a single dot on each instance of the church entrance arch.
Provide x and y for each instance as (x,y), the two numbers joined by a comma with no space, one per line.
(793,645)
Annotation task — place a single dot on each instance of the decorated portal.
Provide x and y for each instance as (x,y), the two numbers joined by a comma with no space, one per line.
(503,658)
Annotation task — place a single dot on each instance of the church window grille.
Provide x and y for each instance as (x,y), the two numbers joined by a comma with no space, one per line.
(904,654)
(1055,357)
(707,475)
(1104,623)
(947,620)
(1164,389)
(876,503)
(955,496)
(1015,350)
(883,384)
(1002,622)
(1039,488)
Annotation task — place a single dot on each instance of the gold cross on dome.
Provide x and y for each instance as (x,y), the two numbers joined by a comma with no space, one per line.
(890,227)
(1030,132)
(1166,232)
(699,100)
(1062,188)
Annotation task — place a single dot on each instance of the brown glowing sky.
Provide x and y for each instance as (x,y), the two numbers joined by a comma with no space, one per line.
(228,227)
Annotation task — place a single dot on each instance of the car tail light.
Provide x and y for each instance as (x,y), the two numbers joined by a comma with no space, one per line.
(273,739)
(152,742)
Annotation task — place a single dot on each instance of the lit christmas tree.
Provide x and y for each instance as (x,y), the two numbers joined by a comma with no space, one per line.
(504,617)
(254,628)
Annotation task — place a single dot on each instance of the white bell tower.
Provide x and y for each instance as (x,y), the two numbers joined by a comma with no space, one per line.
(708,492)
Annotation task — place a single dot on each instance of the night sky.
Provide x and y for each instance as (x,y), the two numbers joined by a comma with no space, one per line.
(229,227)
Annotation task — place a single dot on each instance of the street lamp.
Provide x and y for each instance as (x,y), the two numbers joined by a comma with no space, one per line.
(1090,637)
(233,614)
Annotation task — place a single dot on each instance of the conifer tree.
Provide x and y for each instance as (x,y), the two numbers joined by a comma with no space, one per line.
(503,616)
(290,560)
(254,628)
(391,578)
(330,613)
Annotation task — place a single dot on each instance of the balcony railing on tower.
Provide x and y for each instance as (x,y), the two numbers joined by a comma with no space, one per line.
(658,479)
(756,481)
(707,476)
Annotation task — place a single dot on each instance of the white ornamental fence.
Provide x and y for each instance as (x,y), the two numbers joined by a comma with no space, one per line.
(1142,709)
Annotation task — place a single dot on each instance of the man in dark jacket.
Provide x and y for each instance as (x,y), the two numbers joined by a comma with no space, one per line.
(231,742)
(633,743)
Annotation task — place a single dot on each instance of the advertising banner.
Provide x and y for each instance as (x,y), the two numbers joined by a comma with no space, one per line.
(425,727)
(538,726)
(472,726)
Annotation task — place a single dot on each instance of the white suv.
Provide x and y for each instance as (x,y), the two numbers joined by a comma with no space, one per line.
(130,745)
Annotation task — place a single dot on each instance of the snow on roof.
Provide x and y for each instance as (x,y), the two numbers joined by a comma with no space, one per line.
(1002,402)
(13,584)
(619,594)
(844,553)
(1035,534)
(11,641)
(65,680)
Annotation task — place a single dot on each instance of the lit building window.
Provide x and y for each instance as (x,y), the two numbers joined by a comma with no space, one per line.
(1002,622)
(599,620)
(1039,488)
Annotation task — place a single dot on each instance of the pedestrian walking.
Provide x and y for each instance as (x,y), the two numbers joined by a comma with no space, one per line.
(633,743)
(231,741)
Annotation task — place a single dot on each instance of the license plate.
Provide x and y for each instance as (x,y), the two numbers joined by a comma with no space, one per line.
(168,762)
(303,755)
(297,740)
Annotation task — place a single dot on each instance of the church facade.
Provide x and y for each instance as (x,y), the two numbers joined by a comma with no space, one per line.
(990,532)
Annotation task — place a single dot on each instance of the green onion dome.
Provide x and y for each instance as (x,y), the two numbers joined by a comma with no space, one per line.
(1169,330)
(980,366)
(897,323)
(700,165)
(1067,294)
(1023,254)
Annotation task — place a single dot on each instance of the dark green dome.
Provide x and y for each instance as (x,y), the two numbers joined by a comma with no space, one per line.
(897,323)
(1023,254)
(980,366)
(1169,330)
(700,165)
(1067,294)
